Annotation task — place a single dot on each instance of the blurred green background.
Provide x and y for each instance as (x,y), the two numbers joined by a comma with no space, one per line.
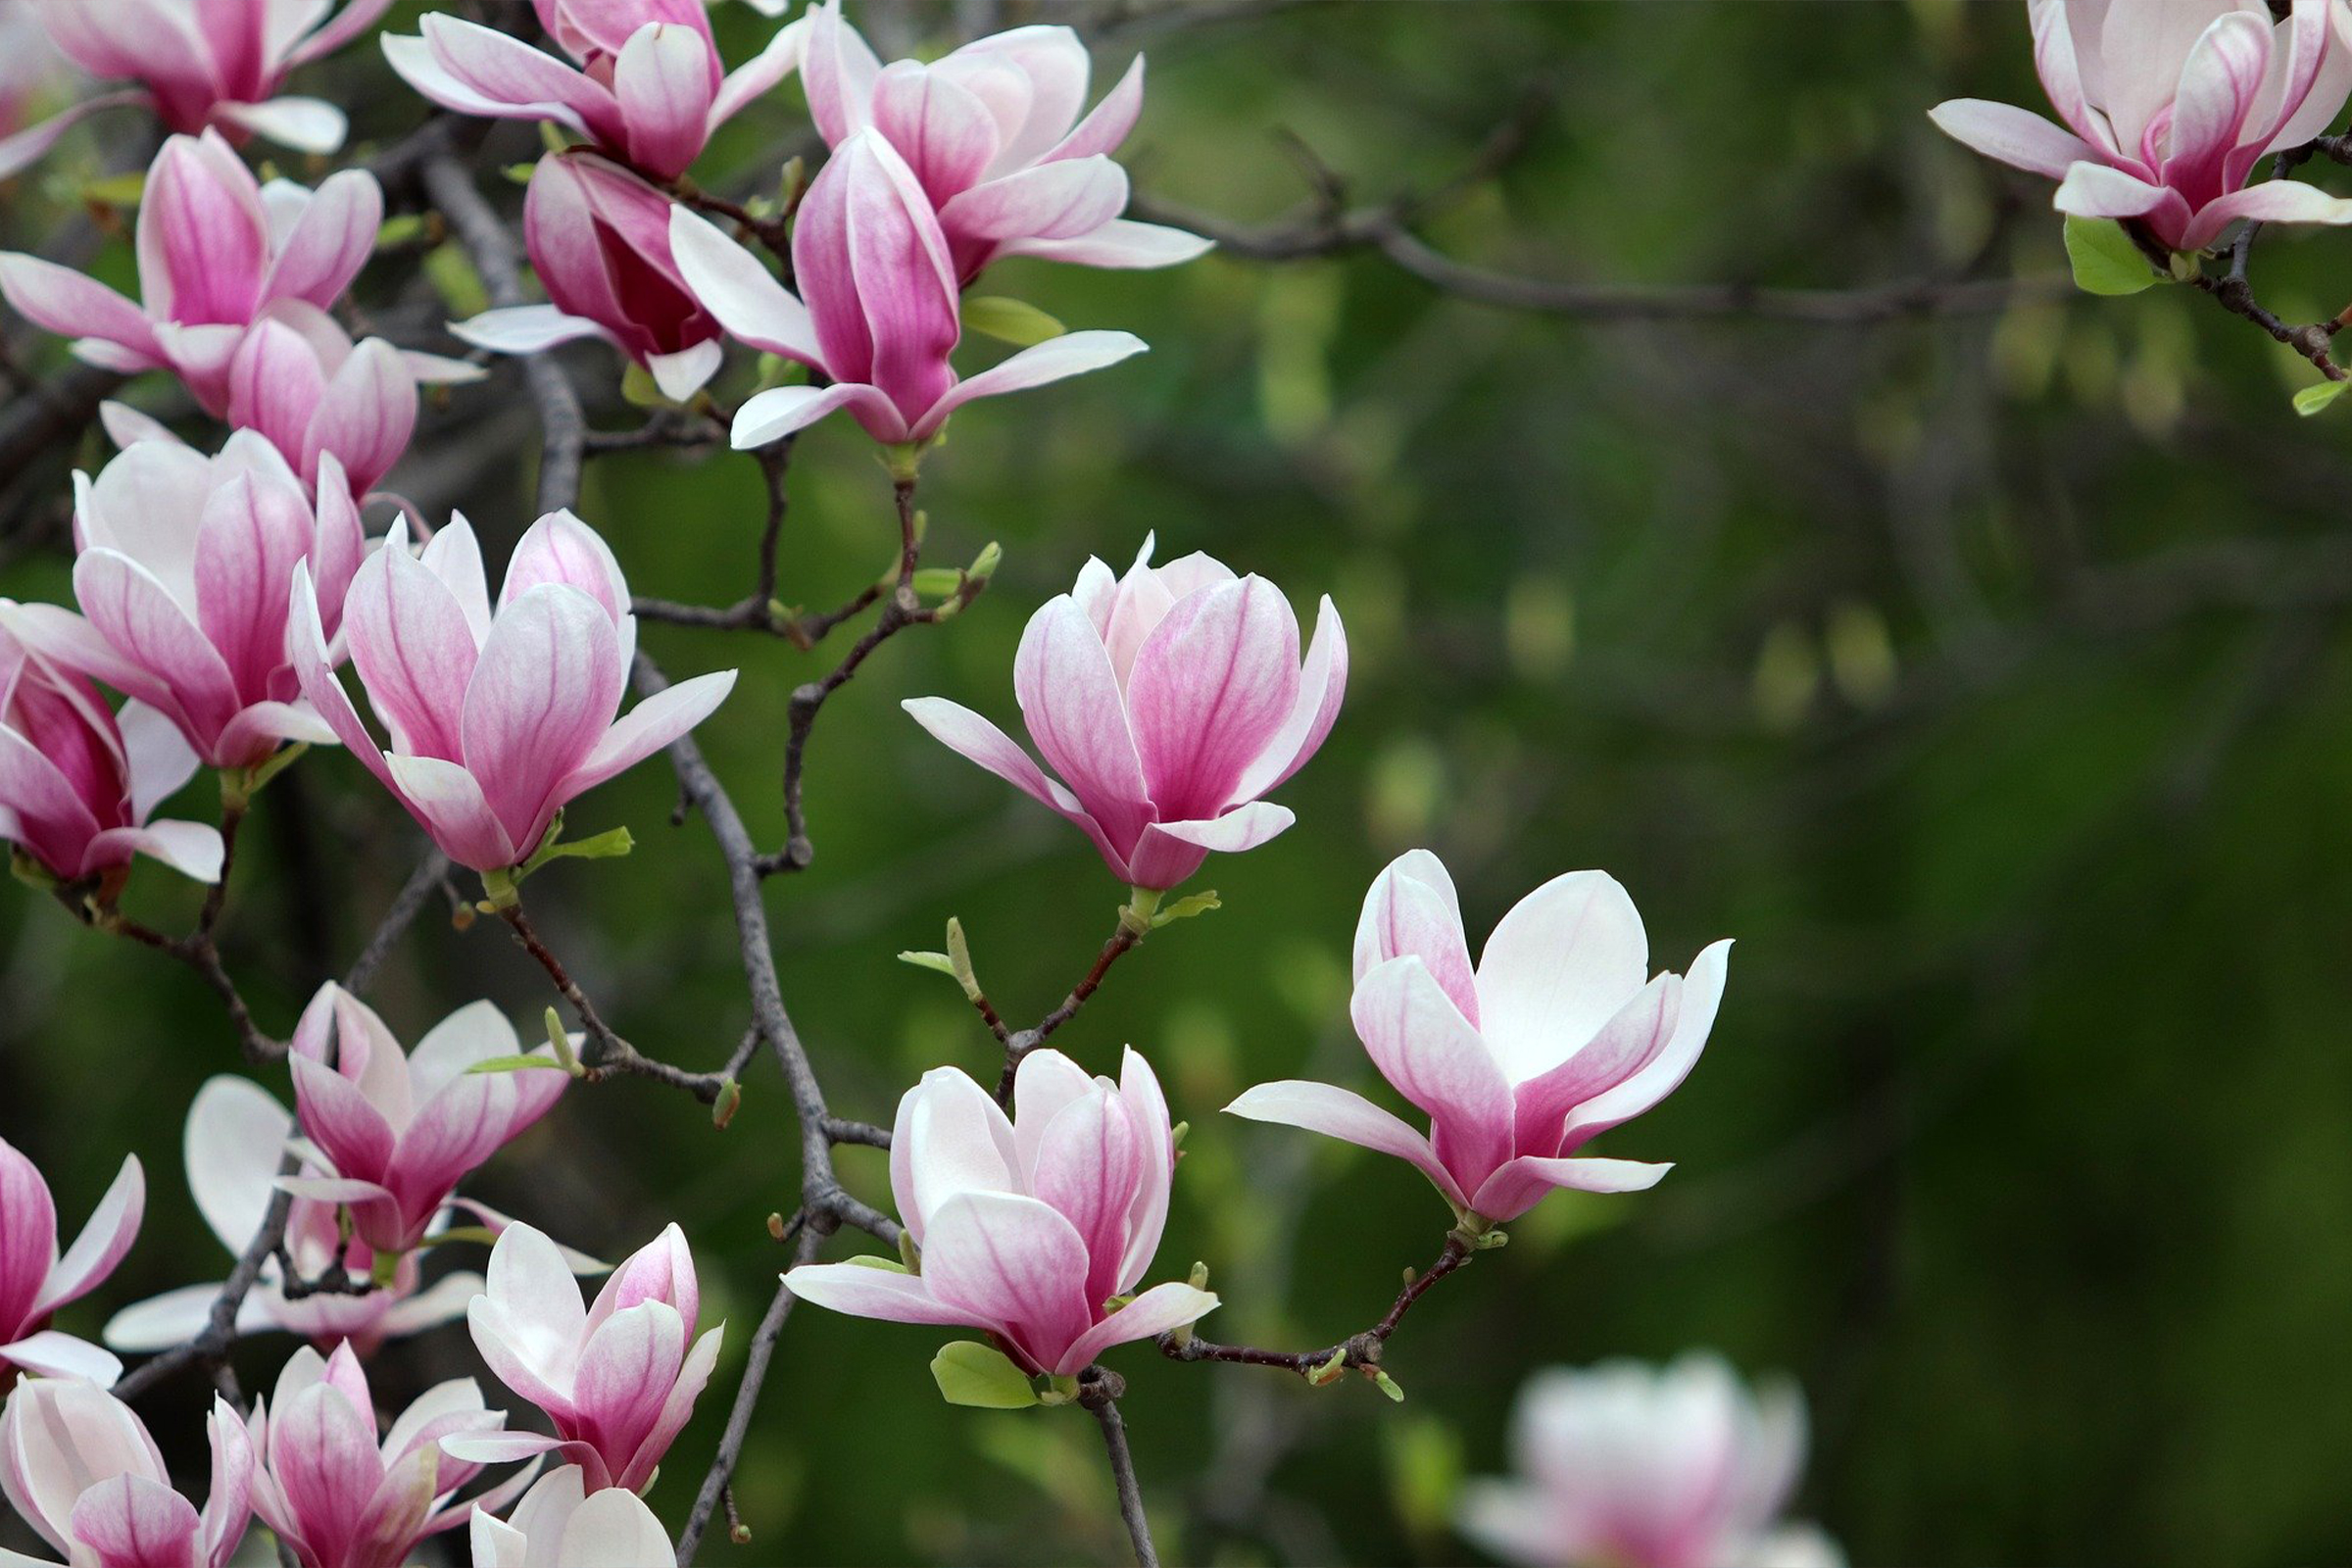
(1981,673)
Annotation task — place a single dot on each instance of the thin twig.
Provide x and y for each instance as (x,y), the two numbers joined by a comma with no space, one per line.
(1100,1391)
(607,1052)
(432,871)
(1020,1043)
(1358,1353)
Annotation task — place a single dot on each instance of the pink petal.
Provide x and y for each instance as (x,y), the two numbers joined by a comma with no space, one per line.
(1090,1165)
(501,74)
(742,294)
(1120,243)
(946,133)
(104,1240)
(1151,1315)
(2015,136)
(1412,907)
(1055,360)
(1213,685)
(412,647)
(951,1138)
(1702,994)
(22,150)
(1626,1044)
(305,124)
(342,1122)
(1346,1115)
(965,732)
(676,1410)
(654,723)
(1077,715)
(203,238)
(547,683)
(751,80)
(839,72)
(51,1354)
(1051,201)
(1422,1044)
(192,848)
(247,543)
(275,386)
(2273,201)
(64,301)
(448,801)
(1012,1261)
(131,1519)
(1519,1185)
(330,242)
(1050,62)
(876,1292)
(665,80)
(775,414)
(138,616)
(2217,89)
(1148,1107)
(559,547)
(2141,51)
(1102,130)
(366,415)
(1556,969)
(1322,683)
(1046,1084)
(1168,853)
(626,1373)
(873,265)
(306,644)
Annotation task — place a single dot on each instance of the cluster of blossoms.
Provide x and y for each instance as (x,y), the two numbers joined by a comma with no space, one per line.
(221,594)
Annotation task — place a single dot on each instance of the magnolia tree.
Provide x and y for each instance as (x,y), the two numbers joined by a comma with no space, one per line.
(246,597)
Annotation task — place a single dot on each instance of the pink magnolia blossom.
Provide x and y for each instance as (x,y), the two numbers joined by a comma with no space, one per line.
(598,238)
(218,253)
(1035,1227)
(496,720)
(183,567)
(1170,700)
(80,1469)
(650,88)
(322,399)
(235,1140)
(397,1133)
(2168,106)
(882,311)
(1552,1040)
(560,1524)
(201,63)
(1632,1466)
(617,1378)
(35,1281)
(992,133)
(77,783)
(334,1494)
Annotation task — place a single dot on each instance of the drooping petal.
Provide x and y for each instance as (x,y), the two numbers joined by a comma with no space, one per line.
(1168,853)
(1346,1115)
(742,294)
(645,729)
(1121,243)
(1519,1185)
(877,1293)
(2011,135)
(2273,201)
(1055,360)
(1151,1315)
(68,303)
(969,734)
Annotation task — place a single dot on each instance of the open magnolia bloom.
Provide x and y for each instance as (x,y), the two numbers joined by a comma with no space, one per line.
(617,1378)
(35,1281)
(496,719)
(80,1469)
(182,568)
(1169,701)
(201,63)
(234,1143)
(560,1524)
(77,784)
(1037,1227)
(339,1498)
(1631,1467)
(650,88)
(993,132)
(218,252)
(599,239)
(2168,106)
(391,1135)
(1556,1037)
(883,308)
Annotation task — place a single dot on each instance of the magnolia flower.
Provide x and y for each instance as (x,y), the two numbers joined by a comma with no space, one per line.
(1632,1466)
(76,782)
(617,1378)
(882,311)
(35,1281)
(329,405)
(560,1524)
(598,238)
(218,252)
(80,1469)
(496,720)
(1170,700)
(235,1140)
(992,135)
(201,63)
(1552,1040)
(1036,1228)
(182,573)
(2168,105)
(397,1133)
(650,88)
(337,1496)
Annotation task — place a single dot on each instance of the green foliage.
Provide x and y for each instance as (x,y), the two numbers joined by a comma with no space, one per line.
(981,1376)
(2104,259)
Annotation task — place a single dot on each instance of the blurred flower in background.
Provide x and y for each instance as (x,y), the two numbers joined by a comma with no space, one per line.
(1636,1466)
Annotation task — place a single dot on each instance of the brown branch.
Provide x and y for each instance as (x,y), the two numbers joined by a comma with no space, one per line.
(431,874)
(1100,1391)
(1358,1353)
(209,1348)
(1019,1043)
(606,1052)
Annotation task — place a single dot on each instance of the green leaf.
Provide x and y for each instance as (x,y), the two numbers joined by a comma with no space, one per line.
(981,1376)
(890,1265)
(939,962)
(451,272)
(515,1064)
(1184,909)
(117,190)
(937,582)
(2311,399)
(2104,259)
(1009,320)
(399,229)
